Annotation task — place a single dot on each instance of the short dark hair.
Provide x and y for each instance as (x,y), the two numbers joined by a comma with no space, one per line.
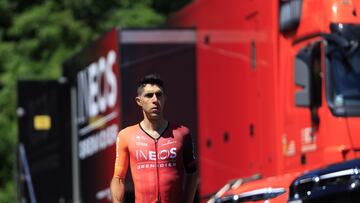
(152,79)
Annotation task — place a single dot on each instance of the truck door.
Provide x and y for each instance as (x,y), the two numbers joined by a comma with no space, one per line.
(302,103)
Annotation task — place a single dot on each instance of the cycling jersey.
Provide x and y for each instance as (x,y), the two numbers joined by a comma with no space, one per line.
(157,165)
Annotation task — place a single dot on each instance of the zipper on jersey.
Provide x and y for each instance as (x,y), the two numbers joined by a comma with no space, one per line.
(157,171)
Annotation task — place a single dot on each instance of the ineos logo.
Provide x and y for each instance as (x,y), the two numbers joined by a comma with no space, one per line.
(149,155)
(97,87)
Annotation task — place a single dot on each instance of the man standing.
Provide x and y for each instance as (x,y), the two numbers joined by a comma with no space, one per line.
(160,153)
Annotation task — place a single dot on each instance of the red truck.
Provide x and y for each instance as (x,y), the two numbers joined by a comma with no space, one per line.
(278,91)
(271,90)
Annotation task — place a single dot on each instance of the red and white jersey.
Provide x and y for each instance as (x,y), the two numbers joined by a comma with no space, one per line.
(157,165)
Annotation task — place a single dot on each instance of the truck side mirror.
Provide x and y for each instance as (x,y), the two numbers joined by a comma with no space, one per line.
(290,14)
(302,78)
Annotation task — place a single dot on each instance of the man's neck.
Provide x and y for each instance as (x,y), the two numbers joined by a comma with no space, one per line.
(153,124)
(154,128)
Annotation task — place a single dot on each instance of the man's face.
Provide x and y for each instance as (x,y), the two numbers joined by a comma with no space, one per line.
(151,100)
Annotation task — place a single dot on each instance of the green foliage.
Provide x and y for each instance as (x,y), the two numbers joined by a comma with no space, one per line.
(36,36)
(7,193)
(139,16)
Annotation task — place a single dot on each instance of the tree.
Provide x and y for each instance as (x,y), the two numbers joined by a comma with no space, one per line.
(36,36)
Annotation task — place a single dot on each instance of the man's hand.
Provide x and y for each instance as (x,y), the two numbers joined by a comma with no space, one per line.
(117,189)
(190,186)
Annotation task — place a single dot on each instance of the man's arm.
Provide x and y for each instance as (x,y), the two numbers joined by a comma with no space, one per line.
(190,186)
(117,189)
(117,185)
(191,175)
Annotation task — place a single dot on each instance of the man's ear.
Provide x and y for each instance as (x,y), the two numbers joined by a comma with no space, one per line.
(137,100)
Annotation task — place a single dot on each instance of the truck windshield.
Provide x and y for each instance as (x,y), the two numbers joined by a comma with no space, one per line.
(345,72)
(344,56)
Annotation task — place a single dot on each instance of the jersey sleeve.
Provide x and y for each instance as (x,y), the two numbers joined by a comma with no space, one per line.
(190,159)
(122,156)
